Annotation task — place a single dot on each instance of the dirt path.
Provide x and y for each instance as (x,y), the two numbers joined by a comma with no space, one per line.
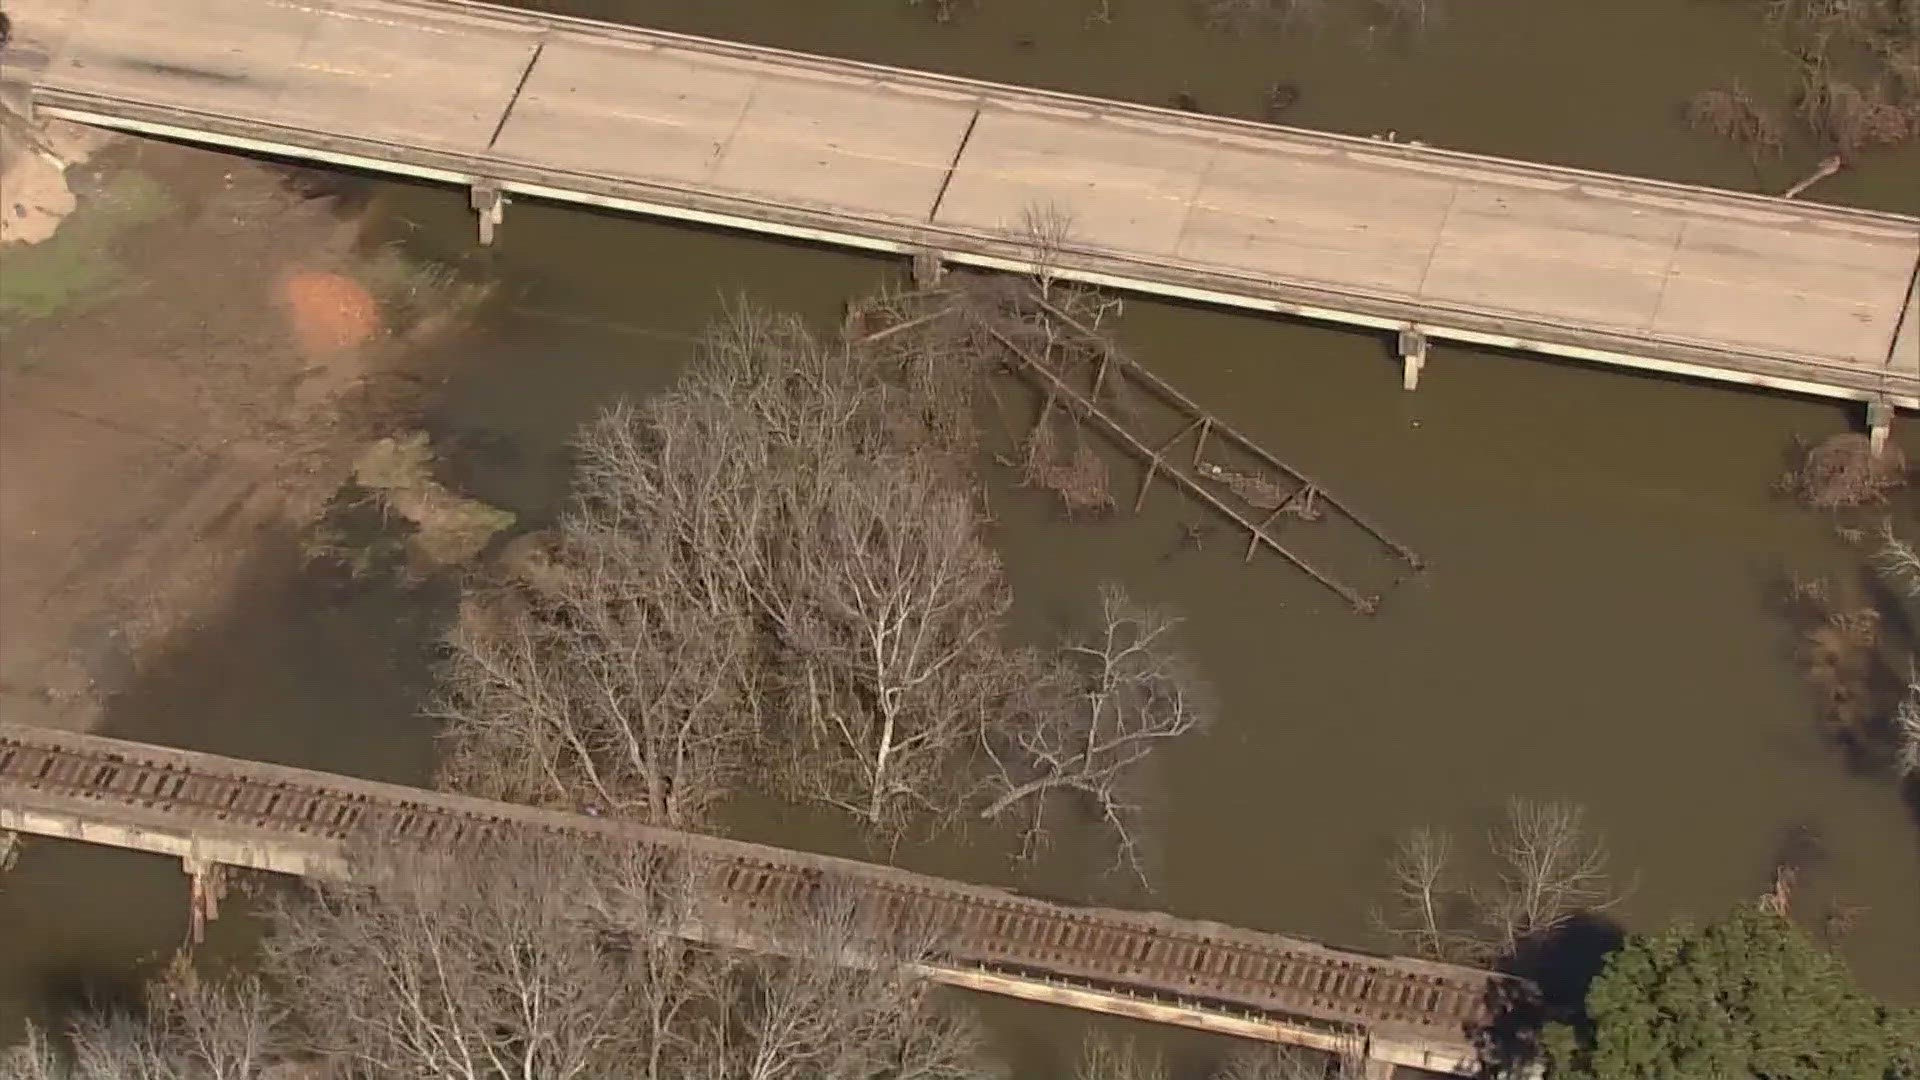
(158,412)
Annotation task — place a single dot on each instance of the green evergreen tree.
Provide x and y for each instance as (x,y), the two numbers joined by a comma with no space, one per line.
(1747,997)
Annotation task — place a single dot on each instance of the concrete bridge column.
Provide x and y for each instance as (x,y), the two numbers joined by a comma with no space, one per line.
(207,886)
(1413,357)
(490,203)
(1879,424)
(928,268)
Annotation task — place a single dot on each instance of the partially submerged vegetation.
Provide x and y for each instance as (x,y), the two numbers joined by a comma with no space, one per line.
(1842,471)
(1547,870)
(777,575)
(1856,82)
(1855,632)
(448,529)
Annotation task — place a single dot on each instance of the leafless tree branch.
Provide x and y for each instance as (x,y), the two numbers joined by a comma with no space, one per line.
(1898,562)
(1427,899)
(888,605)
(1550,871)
(1272,1062)
(475,965)
(190,1029)
(1104,1057)
(1103,709)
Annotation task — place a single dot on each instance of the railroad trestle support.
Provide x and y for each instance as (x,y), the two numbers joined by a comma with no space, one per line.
(206,887)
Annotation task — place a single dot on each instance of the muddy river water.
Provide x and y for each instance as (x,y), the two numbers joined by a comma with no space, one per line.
(1601,622)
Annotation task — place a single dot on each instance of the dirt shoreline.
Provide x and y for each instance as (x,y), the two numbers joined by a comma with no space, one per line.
(167,408)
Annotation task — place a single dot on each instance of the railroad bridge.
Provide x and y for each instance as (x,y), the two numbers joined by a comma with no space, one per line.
(1415,242)
(213,812)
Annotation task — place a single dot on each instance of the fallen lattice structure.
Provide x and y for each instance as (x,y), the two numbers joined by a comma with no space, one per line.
(1051,337)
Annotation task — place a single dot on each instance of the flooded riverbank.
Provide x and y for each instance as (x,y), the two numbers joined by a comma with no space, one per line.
(1600,622)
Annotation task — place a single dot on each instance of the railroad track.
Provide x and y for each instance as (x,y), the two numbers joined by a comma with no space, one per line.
(1139,954)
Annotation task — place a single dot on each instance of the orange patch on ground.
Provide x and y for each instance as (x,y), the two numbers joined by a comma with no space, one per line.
(329,312)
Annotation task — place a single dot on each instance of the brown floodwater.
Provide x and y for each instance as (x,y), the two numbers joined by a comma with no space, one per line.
(1601,622)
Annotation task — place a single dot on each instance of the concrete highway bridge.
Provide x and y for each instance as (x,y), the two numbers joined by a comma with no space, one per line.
(1416,242)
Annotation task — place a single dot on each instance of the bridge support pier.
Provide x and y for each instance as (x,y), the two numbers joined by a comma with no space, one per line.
(928,268)
(207,886)
(1413,357)
(490,203)
(1375,1069)
(1879,424)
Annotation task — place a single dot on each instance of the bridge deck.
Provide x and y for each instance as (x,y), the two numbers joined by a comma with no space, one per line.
(221,810)
(1742,288)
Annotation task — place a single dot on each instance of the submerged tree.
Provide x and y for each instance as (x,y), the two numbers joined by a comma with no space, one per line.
(596,681)
(1859,80)
(1747,995)
(1549,871)
(777,547)
(1092,721)
(1733,114)
(1106,1058)
(1900,565)
(887,604)
(1427,901)
(189,1028)
(786,553)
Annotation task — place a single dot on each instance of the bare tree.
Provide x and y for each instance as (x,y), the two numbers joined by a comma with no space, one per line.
(843,999)
(1899,565)
(545,957)
(602,685)
(1273,1062)
(1426,898)
(784,545)
(1906,726)
(1550,872)
(1116,698)
(888,606)
(472,965)
(37,1058)
(1045,227)
(540,958)
(1103,1057)
(190,1029)
(1898,562)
